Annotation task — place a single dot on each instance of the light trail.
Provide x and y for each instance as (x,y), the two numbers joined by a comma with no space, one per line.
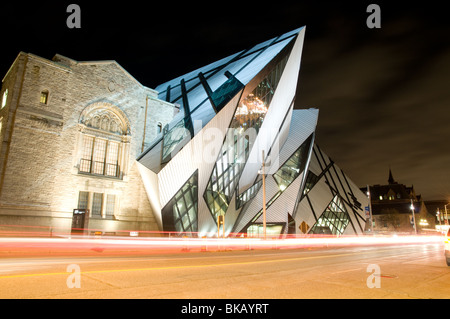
(208,265)
(147,245)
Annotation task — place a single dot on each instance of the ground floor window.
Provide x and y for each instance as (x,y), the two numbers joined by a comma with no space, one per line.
(100,205)
(257,230)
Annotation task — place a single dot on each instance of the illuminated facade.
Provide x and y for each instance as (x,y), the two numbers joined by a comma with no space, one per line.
(88,136)
(207,162)
(71,132)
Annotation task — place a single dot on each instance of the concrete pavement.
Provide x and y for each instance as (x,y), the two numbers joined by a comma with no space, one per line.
(393,271)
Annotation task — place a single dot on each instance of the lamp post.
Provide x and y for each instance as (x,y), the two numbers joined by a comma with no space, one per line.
(264,194)
(446,217)
(370,208)
(439,217)
(414,218)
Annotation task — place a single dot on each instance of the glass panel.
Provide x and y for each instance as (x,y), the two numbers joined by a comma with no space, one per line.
(249,194)
(257,230)
(97,200)
(188,199)
(44,97)
(99,156)
(193,214)
(226,92)
(112,159)
(110,204)
(180,214)
(83,200)
(86,157)
(334,219)
(4,98)
(301,163)
(294,166)
(172,137)
(311,180)
(250,113)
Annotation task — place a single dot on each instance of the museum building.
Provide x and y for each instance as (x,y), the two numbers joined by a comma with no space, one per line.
(221,144)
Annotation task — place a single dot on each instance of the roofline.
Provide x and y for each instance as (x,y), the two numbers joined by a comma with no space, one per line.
(116,63)
(66,68)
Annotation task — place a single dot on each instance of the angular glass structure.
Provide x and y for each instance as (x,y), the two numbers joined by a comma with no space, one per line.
(247,101)
(287,173)
(248,195)
(334,219)
(180,214)
(249,114)
(173,137)
(311,180)
(293,166)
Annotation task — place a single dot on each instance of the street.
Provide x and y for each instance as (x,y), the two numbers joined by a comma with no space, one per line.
(361,271)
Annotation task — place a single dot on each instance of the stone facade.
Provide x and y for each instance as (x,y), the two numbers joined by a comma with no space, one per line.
(71,132)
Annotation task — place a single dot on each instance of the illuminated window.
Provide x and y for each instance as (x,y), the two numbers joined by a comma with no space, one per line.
(257,230)
(173,137)
(101,205)
(83,200)
(110,205)
(180,214)
(293,166)
(44,97)
(4,98)
(104,136)
(297,161)
(334,219)
(100,157)
(250,113)
(97,202)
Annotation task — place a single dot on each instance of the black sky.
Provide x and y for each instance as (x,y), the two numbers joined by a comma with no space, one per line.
(383,94)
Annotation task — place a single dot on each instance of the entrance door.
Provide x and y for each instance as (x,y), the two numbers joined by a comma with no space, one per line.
(80,221)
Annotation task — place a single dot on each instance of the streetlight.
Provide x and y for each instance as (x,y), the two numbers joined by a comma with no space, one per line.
(446,217)
(414,218)
(439,217)
(370,208)
(264,194)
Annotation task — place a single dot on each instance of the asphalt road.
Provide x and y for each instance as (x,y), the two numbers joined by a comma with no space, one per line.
(384,271)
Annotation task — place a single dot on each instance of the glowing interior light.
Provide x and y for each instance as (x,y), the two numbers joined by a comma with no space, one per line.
(423,222)
(251,105)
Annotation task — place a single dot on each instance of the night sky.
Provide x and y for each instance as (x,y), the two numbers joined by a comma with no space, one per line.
(383,94)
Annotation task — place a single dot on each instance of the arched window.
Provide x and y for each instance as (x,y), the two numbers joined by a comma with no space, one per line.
(105,131)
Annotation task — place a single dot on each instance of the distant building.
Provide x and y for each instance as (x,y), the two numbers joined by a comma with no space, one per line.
(391,208)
